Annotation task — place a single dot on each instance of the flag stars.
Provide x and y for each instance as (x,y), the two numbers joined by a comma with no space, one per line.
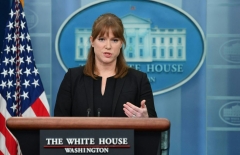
(22,48)
(22,36)
(23,15)
(3,84)
(29,60)
(5,72)
(35,83)
(9,37)
(24,95)
(22,25)
(6,61)
(8,95)
(10,72)
(10,25)
(7,49)
(15,95)
(26,83)
(35,71)
(21,60)
(14,49)
(15,37)
(28,48)
(14,107)
(10,84)
(27,72)
(28,37)
(12,60)
(11,13)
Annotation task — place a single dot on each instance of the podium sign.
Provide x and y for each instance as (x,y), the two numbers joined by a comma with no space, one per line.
(91,141)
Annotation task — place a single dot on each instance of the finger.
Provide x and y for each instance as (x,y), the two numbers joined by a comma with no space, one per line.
(127,112)
(134,109)
(130,112)
(129,107)
(143,104)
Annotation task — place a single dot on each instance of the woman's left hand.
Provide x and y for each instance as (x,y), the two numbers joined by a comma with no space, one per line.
(134,111)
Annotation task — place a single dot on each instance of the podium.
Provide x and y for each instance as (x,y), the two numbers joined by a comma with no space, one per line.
(148,132)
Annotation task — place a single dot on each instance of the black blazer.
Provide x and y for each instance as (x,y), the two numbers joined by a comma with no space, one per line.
(75,95)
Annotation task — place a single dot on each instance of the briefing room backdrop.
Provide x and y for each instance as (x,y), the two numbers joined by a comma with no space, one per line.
(203,105)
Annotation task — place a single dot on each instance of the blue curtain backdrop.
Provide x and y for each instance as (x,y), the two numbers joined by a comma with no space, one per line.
(204,112)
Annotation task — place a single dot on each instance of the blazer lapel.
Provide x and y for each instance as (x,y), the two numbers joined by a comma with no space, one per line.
(119,85)
(88,82)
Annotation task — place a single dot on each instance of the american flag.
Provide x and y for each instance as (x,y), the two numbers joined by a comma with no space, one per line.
(21,89)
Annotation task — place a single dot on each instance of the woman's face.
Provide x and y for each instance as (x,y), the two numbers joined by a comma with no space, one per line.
(106,49)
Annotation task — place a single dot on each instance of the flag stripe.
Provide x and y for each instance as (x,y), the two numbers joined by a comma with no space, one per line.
(1,151)
(44,100)
(39,109)
(29,113)
(4,132)
(9,140)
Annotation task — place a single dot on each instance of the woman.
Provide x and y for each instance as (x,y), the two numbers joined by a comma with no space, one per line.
(105,86)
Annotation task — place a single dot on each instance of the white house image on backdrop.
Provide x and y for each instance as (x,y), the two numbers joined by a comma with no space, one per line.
(144,43)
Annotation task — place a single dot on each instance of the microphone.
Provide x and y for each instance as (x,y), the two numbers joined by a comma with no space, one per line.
(99,111)
(88,112)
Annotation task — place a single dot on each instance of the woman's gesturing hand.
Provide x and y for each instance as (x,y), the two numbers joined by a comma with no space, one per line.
(134,111)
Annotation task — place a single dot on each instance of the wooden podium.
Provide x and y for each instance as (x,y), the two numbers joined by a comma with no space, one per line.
(147,131)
